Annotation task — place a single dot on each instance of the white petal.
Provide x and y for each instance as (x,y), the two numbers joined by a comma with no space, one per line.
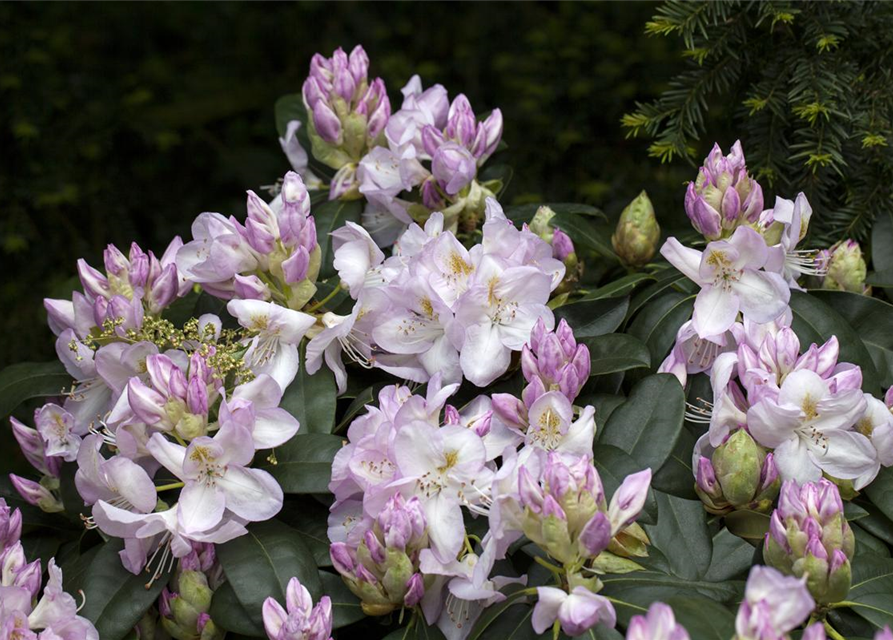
(715,311)
(484,357)
(794,462)
(843,454)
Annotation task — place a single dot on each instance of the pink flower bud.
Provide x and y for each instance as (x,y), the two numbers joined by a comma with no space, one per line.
(432,139)
(529,491)
(461,126)
(509,409)
(358,64)
(10,525)
(415,590)
(251,288)
(705,477)
(454,167)
(296,266)
(164,289)
(115,262)
(95,284)
(342,558)
(146,403)
(489,133)
(327,124)
(197,396)
(562,245)
(431,195)
(35,494)
(628,500)
(376,550)
(596,534)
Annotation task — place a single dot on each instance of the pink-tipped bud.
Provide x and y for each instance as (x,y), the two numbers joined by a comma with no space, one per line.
(596,534)
(415,590)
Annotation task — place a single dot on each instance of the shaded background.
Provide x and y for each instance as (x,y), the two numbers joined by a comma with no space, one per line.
(122,122)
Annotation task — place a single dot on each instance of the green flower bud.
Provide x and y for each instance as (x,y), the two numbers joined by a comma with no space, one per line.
(637,234)
(846,268)
(737,463)
(399,570)
(540,223)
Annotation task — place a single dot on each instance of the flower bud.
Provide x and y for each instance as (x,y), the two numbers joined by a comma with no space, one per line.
(723,196)
(10,525)
(454,167)
(36,494)
(737,462)
(846,269)
(809,536)
(637,233)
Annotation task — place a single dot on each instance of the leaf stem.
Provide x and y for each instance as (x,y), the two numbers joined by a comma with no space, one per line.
(626,604)
(317,305)
(166,487)
(832,631)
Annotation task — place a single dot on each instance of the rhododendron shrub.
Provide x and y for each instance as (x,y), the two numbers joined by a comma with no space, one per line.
(380,403)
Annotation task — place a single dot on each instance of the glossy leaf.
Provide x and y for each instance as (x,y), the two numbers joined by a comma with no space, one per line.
(228,613)
(648,424)
(331,215)
(871,591)
(681,534)
(260,564)
(346,607)
(304,463)
(613,465)
(658,322)
(592,318)
(312,399)
(26,380)
(816,321)
(115,599)
(872,320)
(616,352)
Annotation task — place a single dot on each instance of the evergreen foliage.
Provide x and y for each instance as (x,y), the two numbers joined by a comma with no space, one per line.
(809,92)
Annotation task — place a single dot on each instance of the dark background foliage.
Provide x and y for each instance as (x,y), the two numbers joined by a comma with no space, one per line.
(122,122)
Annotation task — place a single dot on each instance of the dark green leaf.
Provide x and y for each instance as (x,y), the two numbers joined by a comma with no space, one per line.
(648,424)
(815,321)
(329,216)
(880,491)
(31,515)
(658,322)
(309,517)
(259,565)
(501,172)
(312,399)
(604,406)
(25,380)
(732,557)
(868,543)
(525,212)
(871,590)
(115,599)
(681,534)
(616,352)
(664,280)
(881,241)
(287,108)
(583,232)
(304,463)
(872,320)
(703,619)
(346,607)
(358,404)
(620,287)
(641,588)
(613,466)
(592,318)
(228,613)
(675,476)
(417,631)
(750,525)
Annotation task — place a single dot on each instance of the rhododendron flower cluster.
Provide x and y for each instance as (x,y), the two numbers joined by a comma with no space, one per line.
(493,438)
